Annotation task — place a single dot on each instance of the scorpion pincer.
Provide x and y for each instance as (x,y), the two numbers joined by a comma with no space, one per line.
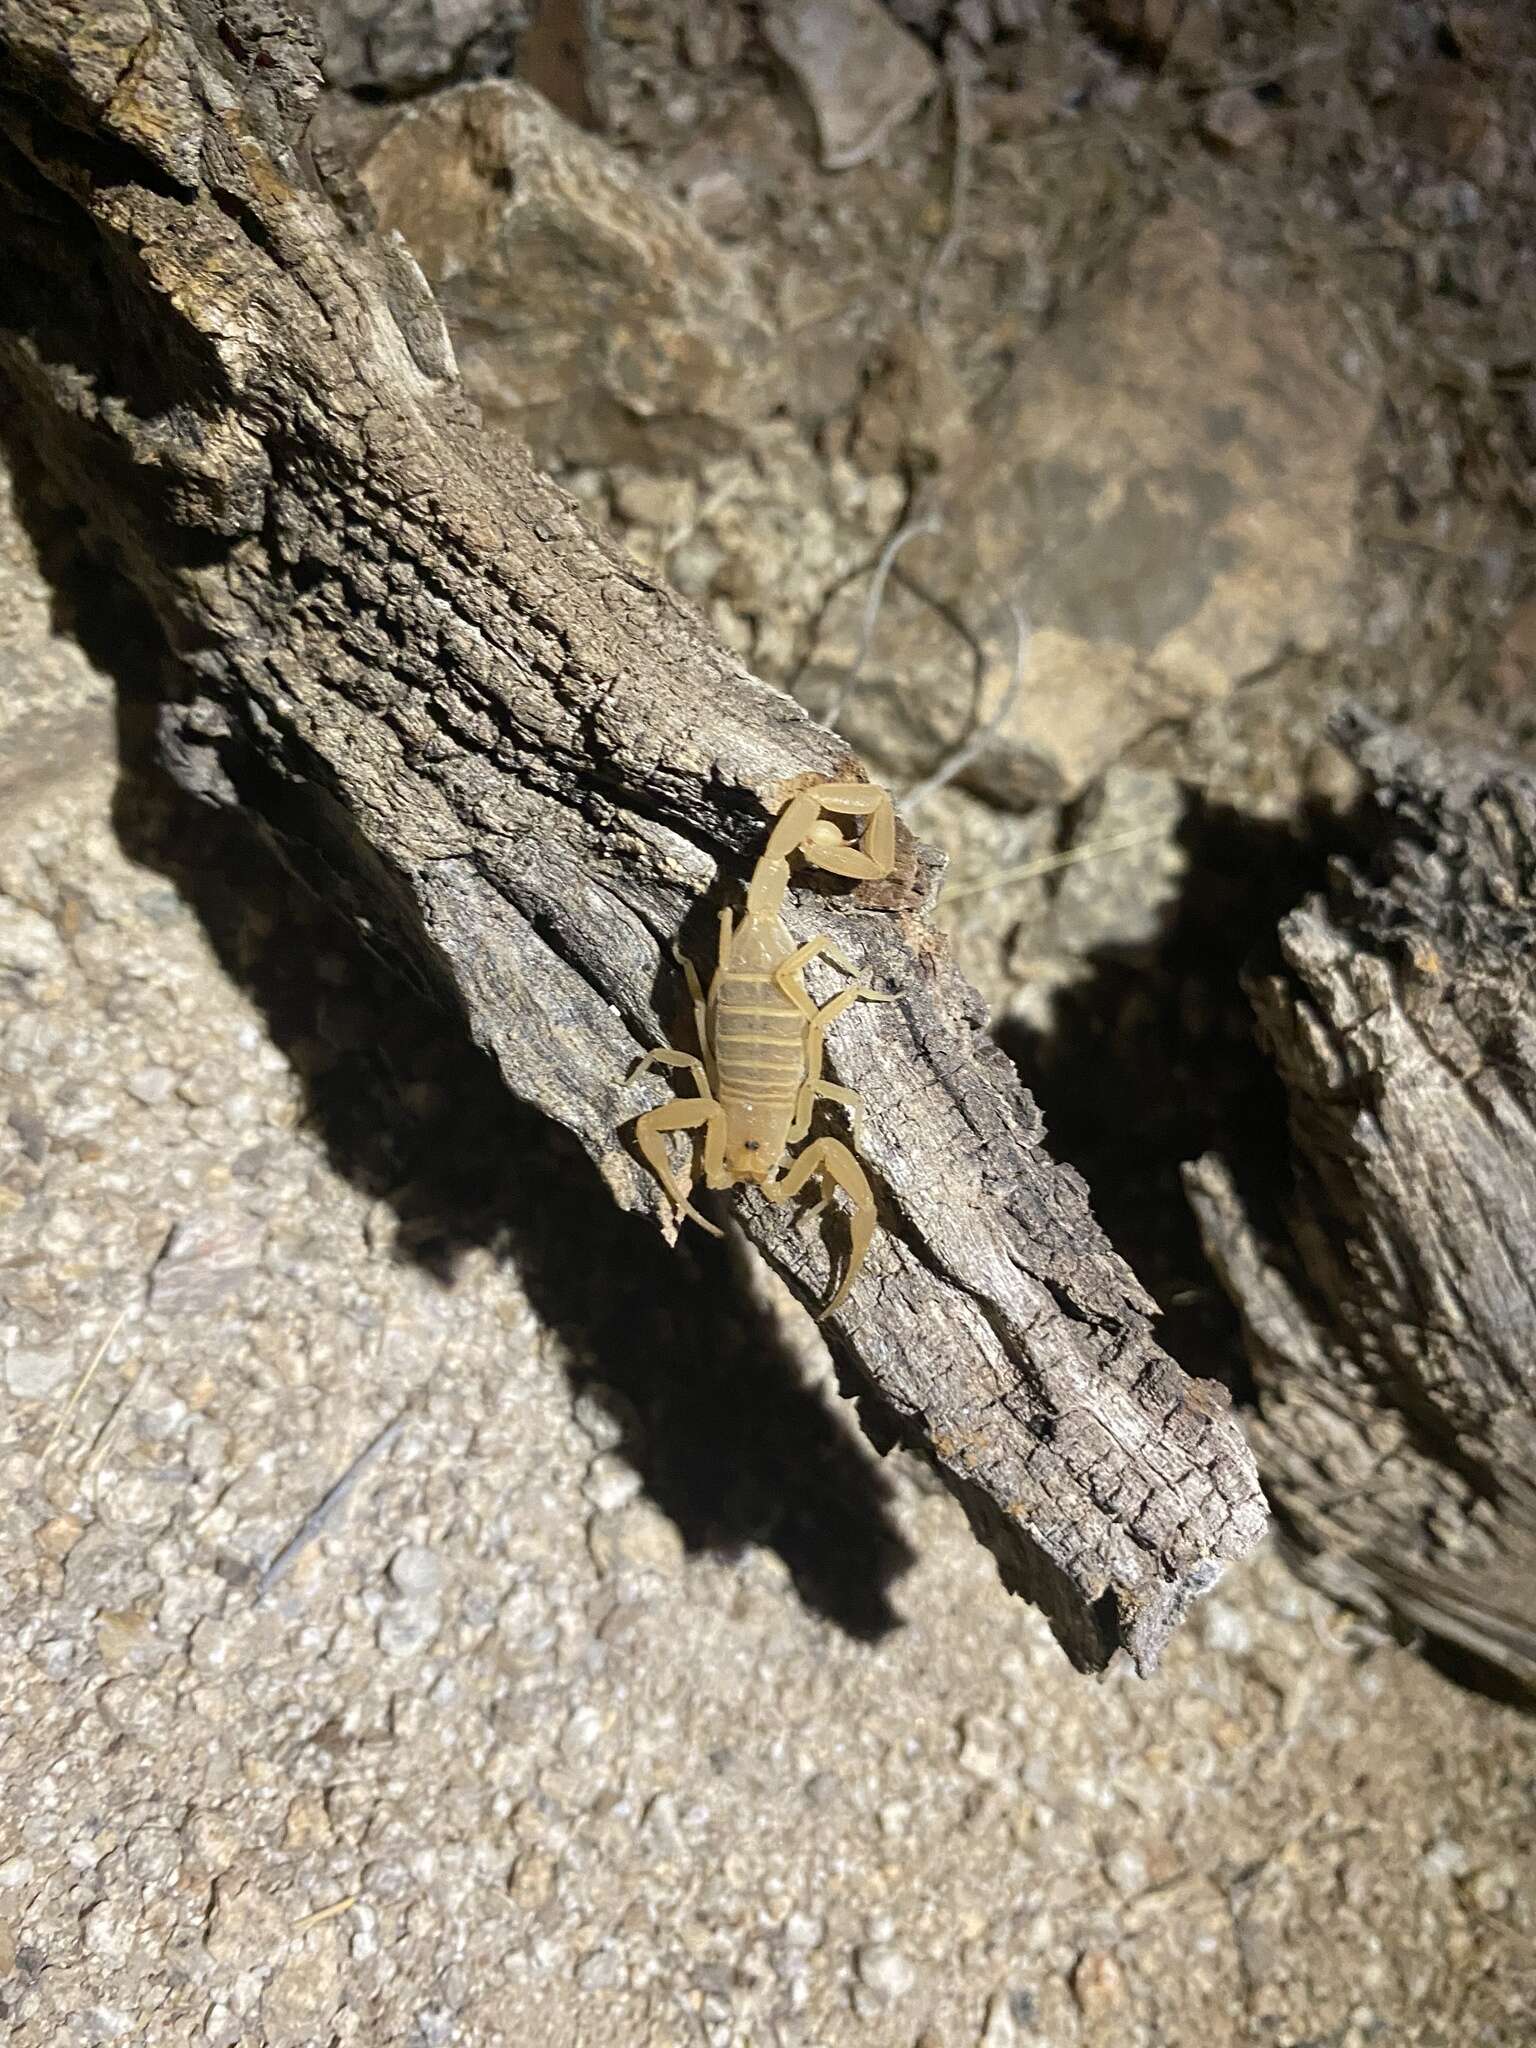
(758,1071)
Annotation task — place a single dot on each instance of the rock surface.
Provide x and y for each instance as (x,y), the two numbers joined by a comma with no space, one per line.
(591,314)
(400,46)
(1164,490)
(861,72)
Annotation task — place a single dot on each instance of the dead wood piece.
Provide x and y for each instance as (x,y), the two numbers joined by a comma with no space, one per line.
(507,753)
(1391,1327)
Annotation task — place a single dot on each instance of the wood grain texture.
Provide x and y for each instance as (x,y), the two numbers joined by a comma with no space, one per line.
(1391,1317)
(511,757)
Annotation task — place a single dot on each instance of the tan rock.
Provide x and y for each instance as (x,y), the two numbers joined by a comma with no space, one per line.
(1514,665)
(914,410)
(304,1992)
(1234,119)
(1098,1986)
(590,311)
(860,70)
(1164,491)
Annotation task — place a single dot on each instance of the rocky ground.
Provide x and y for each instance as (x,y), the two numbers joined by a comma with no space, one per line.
(627,1696)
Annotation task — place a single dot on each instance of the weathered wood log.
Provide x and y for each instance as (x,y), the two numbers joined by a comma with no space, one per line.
(504,751)
(1392,1326)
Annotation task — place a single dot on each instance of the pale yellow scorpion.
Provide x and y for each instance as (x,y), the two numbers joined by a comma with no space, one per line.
(761,1034)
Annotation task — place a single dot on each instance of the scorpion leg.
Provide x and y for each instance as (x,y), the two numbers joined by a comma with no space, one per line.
(688,1113)
(814,1085)
(818,1021)
(669,1056)
(685,1114)
(813,949)
(827,1091)
(838,1168)
(787,978)
(696,997)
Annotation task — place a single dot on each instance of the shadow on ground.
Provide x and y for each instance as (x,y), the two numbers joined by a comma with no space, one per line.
(728,1438)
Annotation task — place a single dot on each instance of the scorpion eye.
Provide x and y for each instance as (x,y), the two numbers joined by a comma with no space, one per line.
(751,1144)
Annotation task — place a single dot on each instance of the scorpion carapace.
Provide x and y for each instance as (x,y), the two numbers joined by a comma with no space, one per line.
(758,1069)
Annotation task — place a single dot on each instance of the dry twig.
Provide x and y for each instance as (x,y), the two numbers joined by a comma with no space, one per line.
(330,1504)
(78,1390)
(976,742)
(1049,863)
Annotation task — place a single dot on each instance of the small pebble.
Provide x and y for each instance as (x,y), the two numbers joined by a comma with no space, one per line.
(531,1881)
(1490,1892)
(150,1085)
(1225,1628)
(885,1971)
(1234,120)
(694,564)
(603,1415)
(216,1644)
(28,942)
(639,1537)
(107,1568)
(153,1855)
(611,1483)
(804,1931)
(408,1627)
(999,2029)
(416,1571)
(1444,1858)
(983,1745)
(601,1969)
(307,1825)
(721,201)
(303,1993)
(666,502)
(247,1926)
(123,1640)
(582,1732)
(58,1537)
(105,2023)
(221,2029)
(1098,1984)
(107,1933)
(208,1259)
(34,1375)
(57,1656)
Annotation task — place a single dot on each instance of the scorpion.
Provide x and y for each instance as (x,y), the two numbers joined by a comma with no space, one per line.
(758,1068)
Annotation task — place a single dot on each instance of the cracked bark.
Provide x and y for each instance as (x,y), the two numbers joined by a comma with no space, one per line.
(510,756)
(1390,1314)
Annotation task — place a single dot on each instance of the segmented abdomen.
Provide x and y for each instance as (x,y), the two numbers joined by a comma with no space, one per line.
(759,1040)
